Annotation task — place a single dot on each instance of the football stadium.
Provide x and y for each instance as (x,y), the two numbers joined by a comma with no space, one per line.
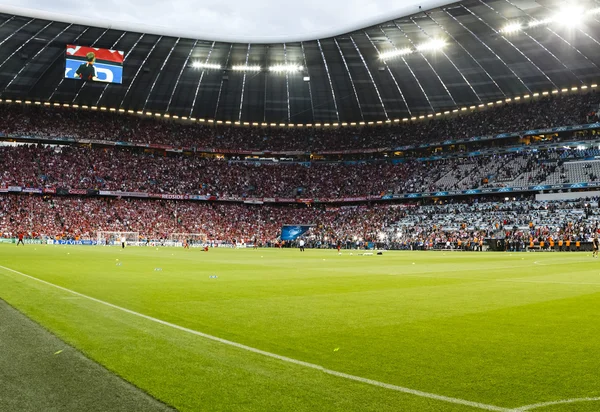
(397,213)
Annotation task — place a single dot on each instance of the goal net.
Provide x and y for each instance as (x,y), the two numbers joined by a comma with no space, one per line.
(114,238)
(193,239)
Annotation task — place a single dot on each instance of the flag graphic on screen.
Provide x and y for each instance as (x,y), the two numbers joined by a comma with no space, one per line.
(292,232)
(94,64)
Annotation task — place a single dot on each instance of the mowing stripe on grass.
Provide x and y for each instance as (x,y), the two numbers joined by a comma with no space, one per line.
(415,392)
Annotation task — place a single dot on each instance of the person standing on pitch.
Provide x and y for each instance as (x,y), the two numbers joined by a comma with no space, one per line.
(20,239)
(301,244)
(595,244)
(123,240)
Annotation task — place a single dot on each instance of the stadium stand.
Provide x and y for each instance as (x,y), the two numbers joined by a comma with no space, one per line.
(544,112)
(88,167)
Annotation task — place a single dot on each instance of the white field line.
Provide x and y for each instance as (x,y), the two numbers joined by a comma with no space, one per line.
(410,391)
(551,403)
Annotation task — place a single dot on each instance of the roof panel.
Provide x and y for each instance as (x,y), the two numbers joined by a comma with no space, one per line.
(346,81)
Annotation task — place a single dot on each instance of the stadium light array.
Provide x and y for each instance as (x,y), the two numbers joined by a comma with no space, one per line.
(511,28)
(569,15)
(202,65)
(246,68)
(395,53)
(287,68)
(436,44)
(432,45)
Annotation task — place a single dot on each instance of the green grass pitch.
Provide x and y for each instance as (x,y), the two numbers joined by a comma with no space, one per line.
(503,330)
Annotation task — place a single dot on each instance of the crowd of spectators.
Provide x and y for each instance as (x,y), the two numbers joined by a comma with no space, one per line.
(390,226)
(515,221)
(82,218)
(543,112)
(114,169)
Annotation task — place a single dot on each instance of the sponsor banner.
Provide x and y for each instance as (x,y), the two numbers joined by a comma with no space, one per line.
(172,197)
(32,190)
(78,191)
(50,190)
(253,201)
(73,242)
(3,189)
(292,232)
(16,189)
(269,200)
(354,199)
(199,197)
(122,194)
(159,146)
(231,198)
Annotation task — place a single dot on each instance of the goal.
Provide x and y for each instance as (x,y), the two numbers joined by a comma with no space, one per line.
(114,238)
(194,239)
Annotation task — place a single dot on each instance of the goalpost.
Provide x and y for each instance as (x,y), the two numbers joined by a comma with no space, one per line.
(108,238)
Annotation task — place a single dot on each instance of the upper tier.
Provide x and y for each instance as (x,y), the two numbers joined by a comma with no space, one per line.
(544,112)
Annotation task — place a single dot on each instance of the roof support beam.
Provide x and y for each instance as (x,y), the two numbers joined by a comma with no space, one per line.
(410,70)
(35,57)
(160,72)
(562,39)
(221,86)
(244,83)
(25,42)
(287,83)
(16,31)
(391,74)
(124,60)
(350,76)
(428,63)
(139,69)
(490,50)
(371,77)
(511,44)
(312,105)
(451,62)
(534,40)
(185,63)
(337,113)
(468,53)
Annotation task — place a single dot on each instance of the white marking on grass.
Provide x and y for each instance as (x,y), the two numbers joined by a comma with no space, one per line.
(551,403)
(372,382)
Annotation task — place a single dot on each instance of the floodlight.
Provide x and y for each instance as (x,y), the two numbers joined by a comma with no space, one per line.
(569,15)
(536,23)
(245,68)
(395,53)
(436,44)
(201,65)
(511,28)
(289,68)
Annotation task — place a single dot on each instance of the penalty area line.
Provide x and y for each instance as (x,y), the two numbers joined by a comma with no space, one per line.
(320,368)
(551,403)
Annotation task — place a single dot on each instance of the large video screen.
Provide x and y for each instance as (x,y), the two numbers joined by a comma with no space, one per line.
(94,64)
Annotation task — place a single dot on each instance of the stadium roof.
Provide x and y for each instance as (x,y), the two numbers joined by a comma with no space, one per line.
(237,21)
(450,57)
